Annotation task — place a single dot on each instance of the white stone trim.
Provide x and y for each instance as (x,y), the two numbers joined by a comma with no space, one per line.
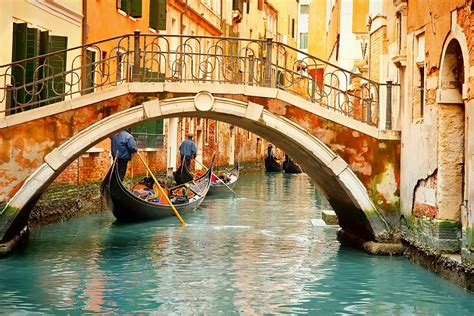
(152,108)
(59,10)
(254,111)
(55,159)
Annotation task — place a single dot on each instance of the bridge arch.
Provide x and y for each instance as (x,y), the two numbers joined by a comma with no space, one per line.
(348,196)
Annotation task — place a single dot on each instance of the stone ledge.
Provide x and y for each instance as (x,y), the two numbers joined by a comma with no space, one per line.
(445,266)
(372,247)
(329,217)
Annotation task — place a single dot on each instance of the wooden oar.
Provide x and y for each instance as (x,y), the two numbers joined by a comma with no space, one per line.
(219,179)
(162,191)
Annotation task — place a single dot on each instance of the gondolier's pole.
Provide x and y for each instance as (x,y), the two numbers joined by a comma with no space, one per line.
(218,179)
(162,191)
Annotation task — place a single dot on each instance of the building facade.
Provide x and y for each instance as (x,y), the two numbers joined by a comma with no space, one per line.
(33,28)
(419,50)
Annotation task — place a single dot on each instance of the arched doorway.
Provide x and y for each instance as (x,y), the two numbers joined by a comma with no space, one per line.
(451,181)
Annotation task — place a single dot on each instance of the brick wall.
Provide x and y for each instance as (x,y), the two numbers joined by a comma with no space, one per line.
(378,46)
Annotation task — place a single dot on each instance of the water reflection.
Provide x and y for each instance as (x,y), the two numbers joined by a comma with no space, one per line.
(252,255)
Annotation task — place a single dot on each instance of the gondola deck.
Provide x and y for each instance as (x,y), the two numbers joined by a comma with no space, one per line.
(128,207)
(218,186)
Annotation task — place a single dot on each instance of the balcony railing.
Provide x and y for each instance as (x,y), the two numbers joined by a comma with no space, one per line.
(50,78)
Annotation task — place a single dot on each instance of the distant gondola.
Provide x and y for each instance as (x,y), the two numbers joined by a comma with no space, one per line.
(128,207)
(182,174)
(230,176)
(290,166)
(271,165)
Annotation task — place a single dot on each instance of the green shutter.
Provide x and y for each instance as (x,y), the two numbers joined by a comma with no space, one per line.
(18,71)
(159,127)
(124,5)
(161,15)
(136,8)
(57,65)
(44,71)
(147,133)
(32,50)
(90,71)
(153,23)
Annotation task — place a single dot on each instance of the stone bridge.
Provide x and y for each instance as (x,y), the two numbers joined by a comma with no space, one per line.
(326,118)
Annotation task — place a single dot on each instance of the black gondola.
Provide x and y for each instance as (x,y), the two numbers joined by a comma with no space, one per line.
(271,165)
(290,166)
(128,207)
(230,178)
(182,174)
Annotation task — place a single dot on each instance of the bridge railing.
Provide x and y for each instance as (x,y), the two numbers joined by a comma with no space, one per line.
(50,78)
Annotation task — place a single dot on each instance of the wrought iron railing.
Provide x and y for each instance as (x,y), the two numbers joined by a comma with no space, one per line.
(51,78)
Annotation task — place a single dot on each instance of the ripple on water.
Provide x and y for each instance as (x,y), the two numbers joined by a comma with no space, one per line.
(251,255)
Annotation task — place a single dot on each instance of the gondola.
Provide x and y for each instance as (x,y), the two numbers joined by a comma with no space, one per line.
(182,174)
(128,207)
(271,165)
(230,177)
(290,166)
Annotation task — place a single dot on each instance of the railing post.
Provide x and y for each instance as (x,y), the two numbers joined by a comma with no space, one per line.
(8,99)
(136,56)
(268,63)
(313,89)
(369,111)
(388,114)
(251,69)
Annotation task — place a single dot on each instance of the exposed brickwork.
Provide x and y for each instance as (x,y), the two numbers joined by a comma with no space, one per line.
(378,47)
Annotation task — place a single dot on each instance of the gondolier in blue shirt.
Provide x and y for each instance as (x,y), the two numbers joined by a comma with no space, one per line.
(123,145)
(187,150)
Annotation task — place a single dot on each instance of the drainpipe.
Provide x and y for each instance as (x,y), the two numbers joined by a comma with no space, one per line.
(84,40)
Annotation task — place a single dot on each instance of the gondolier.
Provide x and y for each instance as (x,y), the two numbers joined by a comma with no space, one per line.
(187,150)
(123,145)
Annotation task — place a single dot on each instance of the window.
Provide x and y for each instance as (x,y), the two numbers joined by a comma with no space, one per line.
(90,70)
(149,134)
(293,29)
(131,7)
(303,40)
(158,14)
(248,6)
(419,76)
(47,73)
(304,9)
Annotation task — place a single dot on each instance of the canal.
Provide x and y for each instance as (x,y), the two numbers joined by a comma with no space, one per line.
(251,255)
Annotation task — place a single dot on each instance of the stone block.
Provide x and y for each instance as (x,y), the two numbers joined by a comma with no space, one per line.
(329,217)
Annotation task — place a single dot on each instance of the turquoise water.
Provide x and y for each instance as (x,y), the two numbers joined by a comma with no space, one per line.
(252,255)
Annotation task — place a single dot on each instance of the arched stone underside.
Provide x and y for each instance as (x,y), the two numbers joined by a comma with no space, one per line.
(347,195)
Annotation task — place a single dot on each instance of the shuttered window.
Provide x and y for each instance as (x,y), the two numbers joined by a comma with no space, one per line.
(33,83)
(158,14)
(149,134)
(131,7)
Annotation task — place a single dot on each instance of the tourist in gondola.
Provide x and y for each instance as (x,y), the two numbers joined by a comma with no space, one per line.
(187,150)
(123,145)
